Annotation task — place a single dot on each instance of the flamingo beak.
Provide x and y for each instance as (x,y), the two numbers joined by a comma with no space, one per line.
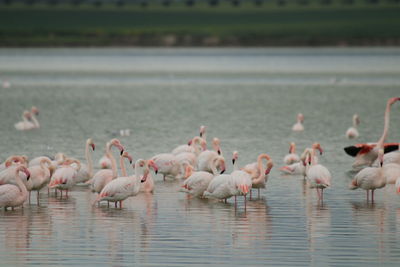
(219,152)
(130,159)
(93,147)
(201,134)
(320,150)
(222,171)
(144,178)
(233,161)
(28,174)
(190,142)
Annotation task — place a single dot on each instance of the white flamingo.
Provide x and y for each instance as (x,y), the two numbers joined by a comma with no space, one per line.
(58,160)
(259,173)
(34,113)
(104,176)
(207,156)
(26,123)
(317,174)
(85,173)
(7,175)
(370,178)
(366,154)
(14,160)
(298,126)
(196,182)
(14,195)
(123,187)
(40,177)
(352,132)
(292,157)
(64,178)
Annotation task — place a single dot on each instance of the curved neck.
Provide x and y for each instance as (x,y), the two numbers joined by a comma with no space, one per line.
(260,165)
(112,159)
(89,160)
(385,128)
(235,166)
(312,155)
(355,123)
(292,148)
(213,166)
(122,165)
(19,183)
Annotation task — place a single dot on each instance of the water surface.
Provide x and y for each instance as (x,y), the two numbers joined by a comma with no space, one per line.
(248,98)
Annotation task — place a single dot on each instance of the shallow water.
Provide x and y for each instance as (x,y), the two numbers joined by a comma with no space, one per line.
(248,98)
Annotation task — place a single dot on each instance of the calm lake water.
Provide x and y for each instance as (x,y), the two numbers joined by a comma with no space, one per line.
(248,98)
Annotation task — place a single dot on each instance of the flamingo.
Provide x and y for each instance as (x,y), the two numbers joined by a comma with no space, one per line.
(207,156)
(318,175)
(14,195)
(366,154)
(298,126)
(257,172)
(352,132)
(292,157)
(64,178)
(299,167)
(148,185)
(58,160)
(203,132)
(40,177)
(123,187)
(86,171)
(370,178)
(196,145)
(124,154)
(26,123)
(196,182)
(102,177)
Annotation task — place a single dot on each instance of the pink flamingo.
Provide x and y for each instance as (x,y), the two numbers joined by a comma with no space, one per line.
(40,177)
(370,178)
(206,157)
(366,154)
(7,175)
(196,182)
(64,177)
(259,173)
(298,126)
(58,160)
(148,185)
(26,123)
(318,175)
(292,157)
(121,188)
(352,132)
(102,177)
(14,195)
(14,160)
(195,146)
(85,173)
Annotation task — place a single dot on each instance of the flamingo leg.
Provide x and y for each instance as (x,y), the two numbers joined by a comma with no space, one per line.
(250,193)
(37,198)
(322,195)
(120,204)
(372,195)
(55,191)
(164,177)
(29,199)
(48,191)
(60,193)
(225,200)
(367,196)
(116,204)
(245,202)
(318,193)
(235,201)
(258,192)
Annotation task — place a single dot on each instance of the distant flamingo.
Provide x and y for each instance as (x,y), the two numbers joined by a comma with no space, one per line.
(203,132)
(352,132)
(205,157)
(34,113)
(58,160)
(298,126)
(14,195)
(64,178)
(259,173)
(123,187)
(85,173)
(317,174)
(40,177)
(365,154)
(102,177)
(26,123)
(292,157)
(370,178)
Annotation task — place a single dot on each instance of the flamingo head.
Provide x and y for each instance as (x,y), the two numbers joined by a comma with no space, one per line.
(190,142)
(35,110)
(152,165)
(115,142)
(90,143)
(216,145)
(25,170)
(300,117)
(202,130)
(318,146)
(188,171)
(125,154)
(380,156)
(222,165)
(15,160)
(270,164)
(235,156)
(393,100)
